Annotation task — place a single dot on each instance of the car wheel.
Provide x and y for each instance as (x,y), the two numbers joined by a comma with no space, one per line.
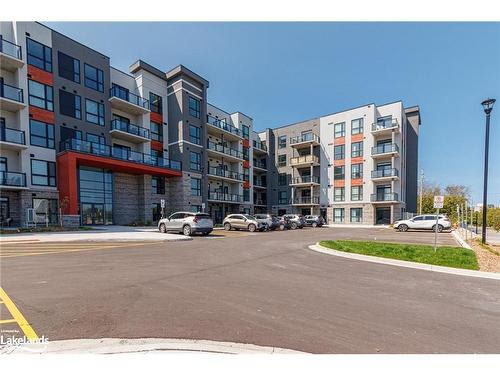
(314,225)
(293,226)
(251,228)
(163,228)
(440,228)
(282,227)
(227,226)
(403,228)
(186,230)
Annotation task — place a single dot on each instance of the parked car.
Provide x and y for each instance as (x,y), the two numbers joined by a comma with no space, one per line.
(296,221)
(314,220)
(284,223)
(423,222)
(271,221)
(243,221)
(187,223)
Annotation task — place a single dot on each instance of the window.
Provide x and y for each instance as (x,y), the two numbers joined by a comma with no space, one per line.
(196,187)
(46,210)
(339,194)
(283,197)
(43,173)
(94,78)
(70,104)
(157,211)
(194,107)
(339,130)
(67,133)
(155,103)
(281,160)
(40,95)
(158,185)
(339,152)
(96,139)
(246,195)
(339,173)
(356,215)
(356,171)
(357,126)
(246,153)
(195,161)
(39,55)
(282,179)
(41,134)
(246,131)
(196,208)
(68,67)
(356,149)
(156,131)
(94,112)
(194,135)
(338,215)
(282,141)
(356,193)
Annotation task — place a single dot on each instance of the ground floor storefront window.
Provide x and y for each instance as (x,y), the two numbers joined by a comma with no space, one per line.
(46,211)
(95,196)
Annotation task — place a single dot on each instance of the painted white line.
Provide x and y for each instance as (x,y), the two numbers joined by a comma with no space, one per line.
(402,263)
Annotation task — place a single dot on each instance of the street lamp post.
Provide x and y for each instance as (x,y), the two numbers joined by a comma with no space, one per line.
(488,107)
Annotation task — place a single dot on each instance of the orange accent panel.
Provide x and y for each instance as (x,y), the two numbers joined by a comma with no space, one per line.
(357,182)
(339,141)
(156,117)
(40,75)
(156,145)
(42,115)
(67,182)
(246,143)
(339,183)
(338,163)
(246,185)
(246,164)
(356,137)
(357,160)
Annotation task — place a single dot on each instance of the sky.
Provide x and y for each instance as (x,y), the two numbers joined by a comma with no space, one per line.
(281,73)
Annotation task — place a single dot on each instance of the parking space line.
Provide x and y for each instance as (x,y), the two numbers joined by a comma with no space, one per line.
(5,321)
(29,332)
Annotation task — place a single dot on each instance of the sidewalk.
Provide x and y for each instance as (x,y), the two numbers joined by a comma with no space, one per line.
(113,233)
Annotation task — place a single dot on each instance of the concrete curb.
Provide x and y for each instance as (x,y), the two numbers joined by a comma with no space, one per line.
(122,346)
(402,263)
(460,240)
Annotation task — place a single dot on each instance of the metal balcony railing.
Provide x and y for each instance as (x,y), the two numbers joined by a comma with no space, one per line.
(385,148)
(13,179)
(259,164)
(309,137)
(305,200)
(385,124)
(10,49)
(127,127)
(225,197)
(260,202)
(305,180)
(304,159)
(221,172)
(11,92)
(389,172)
(223,125)
(12,136)
(259,145)
(384,197)
(225,150)
(129,97)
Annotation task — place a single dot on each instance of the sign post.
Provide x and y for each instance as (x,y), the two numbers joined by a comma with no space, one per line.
(438,203)
(162,203)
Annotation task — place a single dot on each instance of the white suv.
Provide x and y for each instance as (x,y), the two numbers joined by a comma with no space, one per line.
(423,222)
(187,223)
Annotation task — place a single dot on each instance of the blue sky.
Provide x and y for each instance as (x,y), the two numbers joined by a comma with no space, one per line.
(280,73)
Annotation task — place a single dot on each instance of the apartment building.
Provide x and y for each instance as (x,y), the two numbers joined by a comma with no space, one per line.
(86,143)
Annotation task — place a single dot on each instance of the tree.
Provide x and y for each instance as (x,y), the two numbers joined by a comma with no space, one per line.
(453,195)
(457,190)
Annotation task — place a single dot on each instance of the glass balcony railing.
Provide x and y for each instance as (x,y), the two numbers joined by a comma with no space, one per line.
(10,49)
(260,202)
(306,200)
(389,123)
(12,136)
(129,97)
(118,153)
(225,150)
(309,137)
(215,171)
(127,127)
(13,179)
(385,149)
(305,180)
(225,197)
(384,197)
(259,164)
(222,124)
(304,159)
(11,92)
(388,172)
(259,183)
(260,145)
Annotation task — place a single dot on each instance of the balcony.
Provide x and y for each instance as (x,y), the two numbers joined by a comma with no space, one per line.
(129,132)
(384,150)
(217,196)
(260,165)
(260,202)
(222,151)
(385,174)
(12,139)
(11,58)
(128,102)
(304,161)
(384,198)
(222,173)
(216,125)
(304,140)
(119,154)
(258,184)
(305,181)
(385,127)
(11,98)
(305,201)
(12,180)
(259,147)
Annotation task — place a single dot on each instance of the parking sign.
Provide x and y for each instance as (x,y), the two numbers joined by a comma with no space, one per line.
(438,201)
(162,202)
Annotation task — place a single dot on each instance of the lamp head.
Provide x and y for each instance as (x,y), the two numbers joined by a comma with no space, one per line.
(488,105)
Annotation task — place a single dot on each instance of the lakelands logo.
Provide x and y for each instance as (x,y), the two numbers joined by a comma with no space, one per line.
(18,341)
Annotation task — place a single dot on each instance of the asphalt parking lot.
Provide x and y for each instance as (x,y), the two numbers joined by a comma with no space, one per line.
(259,288)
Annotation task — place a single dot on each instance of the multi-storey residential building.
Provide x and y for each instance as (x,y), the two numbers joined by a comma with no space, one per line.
(89,144)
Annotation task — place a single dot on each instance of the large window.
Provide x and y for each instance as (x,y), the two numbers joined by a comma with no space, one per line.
(196,187)
(356,171)
(356,215)
(246,153)
(283,197)
(339,194)
(339,130)
(339,173)
(194,135)
(338,215)
(41,134)
(282,179)
(158,185)
(356,193)
(194,107)
(194,161)
(70,104)
(356,149)
(43,173)
(282,141)
(96,139)
(68,67)
(156,131)
(40,95)
(339,152)
(357,126)
(246,195)
(155,103)
(95,195)
(246,131)
(94,112)
(281,160)
(39,55)
(94,78)
(46,210)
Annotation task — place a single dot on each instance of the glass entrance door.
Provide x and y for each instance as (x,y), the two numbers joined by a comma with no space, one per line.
(92,214)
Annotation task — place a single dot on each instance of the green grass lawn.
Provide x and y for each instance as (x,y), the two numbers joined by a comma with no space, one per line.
(457,257)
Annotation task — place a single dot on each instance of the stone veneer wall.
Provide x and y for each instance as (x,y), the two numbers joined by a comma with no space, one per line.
(368,213)
(131,199)
(21,200)
(178,193)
